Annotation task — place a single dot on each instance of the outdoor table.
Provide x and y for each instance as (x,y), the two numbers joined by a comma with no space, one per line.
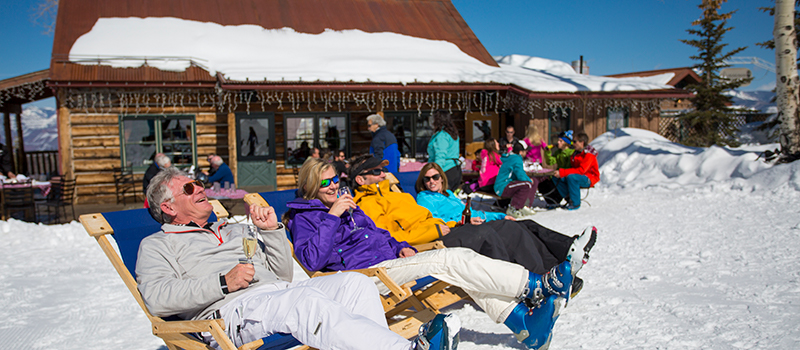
(540,172)
(229,198)
(43,186)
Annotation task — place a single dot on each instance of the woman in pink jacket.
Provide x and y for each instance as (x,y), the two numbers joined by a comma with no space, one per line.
(535,143)
(490,165)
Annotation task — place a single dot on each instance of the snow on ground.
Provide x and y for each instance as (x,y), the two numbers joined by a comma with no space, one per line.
(257,54)
(698,249)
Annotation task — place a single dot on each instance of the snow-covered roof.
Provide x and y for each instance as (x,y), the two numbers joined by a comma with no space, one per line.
(253,53)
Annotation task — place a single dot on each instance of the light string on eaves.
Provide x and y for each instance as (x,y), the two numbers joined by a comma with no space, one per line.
(26,92)
(166,100)
(158,100)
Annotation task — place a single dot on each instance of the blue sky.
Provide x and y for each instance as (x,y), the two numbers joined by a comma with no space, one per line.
(614,37)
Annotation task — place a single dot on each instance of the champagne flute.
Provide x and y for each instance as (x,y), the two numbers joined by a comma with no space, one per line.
(249,244)
(344,190)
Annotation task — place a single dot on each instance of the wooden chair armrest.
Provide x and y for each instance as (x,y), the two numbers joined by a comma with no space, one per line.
(380,272)
(255,198)
(195,326)
(428,246)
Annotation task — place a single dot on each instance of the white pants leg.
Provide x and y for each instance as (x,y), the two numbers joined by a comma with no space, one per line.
(493,284)
(341,311)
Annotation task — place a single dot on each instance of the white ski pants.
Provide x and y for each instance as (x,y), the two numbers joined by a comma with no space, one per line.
(340,311)
(493,284)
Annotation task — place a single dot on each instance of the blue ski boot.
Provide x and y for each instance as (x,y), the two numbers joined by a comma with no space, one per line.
(556,282)
(533,327)
(440,333)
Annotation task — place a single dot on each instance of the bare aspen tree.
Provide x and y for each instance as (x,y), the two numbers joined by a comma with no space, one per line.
(787,79)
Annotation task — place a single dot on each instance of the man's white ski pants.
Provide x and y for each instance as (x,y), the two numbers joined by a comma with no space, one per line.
(340,311)
(493,284)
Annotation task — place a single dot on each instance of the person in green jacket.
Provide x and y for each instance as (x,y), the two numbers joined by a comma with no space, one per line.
(558,159)
(443,147)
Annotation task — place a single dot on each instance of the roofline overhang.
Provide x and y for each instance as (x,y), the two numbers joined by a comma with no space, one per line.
(240,86)
(100,84)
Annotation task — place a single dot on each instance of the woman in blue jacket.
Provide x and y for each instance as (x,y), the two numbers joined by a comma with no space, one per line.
(527,242)
(443,147)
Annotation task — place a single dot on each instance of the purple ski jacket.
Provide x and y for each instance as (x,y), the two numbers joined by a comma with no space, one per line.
(324,242)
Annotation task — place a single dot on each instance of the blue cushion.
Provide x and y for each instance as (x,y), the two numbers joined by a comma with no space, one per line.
(130,227)
(407,181)
(278,200)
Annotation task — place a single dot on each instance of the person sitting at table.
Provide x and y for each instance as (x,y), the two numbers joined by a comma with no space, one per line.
(528,243)
(193,269)
(160,162)
(559,158)
(340,163)
(490,165)
(332,233)
(222,173)
(512,182)
(584,172)
(536,144)
(6,163)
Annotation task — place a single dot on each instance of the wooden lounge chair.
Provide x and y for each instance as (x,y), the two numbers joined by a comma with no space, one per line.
(128,228)
(407,306)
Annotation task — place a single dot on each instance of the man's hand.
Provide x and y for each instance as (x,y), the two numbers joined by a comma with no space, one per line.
(444,229)
(239,277)
(475,220)
(509,217)
(555,173)
(341,205)
(407,252)
(263,217)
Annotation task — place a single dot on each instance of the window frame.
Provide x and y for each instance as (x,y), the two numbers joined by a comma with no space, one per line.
(552,116)
(316,117)
(625,117)
(240,154)
(390,121)
(158,120)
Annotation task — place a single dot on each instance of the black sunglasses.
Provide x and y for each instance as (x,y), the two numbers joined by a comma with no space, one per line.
(188,188)
(327,182)
(373,172)
(434,177)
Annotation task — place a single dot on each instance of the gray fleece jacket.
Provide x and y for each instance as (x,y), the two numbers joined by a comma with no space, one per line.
(178,268)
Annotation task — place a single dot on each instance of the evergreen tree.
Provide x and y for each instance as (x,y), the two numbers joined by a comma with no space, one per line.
(711,123)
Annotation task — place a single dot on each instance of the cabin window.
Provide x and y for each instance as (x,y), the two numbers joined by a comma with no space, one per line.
(144,136)
(326,131)
(255,133)
(413,131)
(617,118)
(559,120)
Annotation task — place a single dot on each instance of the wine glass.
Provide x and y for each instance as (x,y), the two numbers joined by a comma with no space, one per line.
(344,190)
(249,244)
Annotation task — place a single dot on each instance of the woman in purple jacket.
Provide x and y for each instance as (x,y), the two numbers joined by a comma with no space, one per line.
(328,238)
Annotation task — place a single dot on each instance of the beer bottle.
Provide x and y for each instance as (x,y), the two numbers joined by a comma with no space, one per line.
(466,215)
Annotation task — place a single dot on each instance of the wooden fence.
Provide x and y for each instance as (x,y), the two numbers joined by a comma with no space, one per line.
(40,163)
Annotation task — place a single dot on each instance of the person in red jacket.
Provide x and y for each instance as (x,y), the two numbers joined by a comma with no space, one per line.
(583,173)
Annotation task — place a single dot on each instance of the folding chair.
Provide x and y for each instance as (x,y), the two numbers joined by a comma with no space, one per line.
(128,228)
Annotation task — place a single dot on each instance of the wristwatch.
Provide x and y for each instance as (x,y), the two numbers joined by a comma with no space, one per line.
(224,284)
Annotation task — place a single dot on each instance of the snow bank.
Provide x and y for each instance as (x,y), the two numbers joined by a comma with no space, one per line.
(249,52)
(635,158)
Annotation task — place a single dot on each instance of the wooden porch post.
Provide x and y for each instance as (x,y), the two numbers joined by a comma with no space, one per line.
(22,165)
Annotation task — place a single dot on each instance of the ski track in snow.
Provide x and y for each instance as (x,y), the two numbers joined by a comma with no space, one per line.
(672,269)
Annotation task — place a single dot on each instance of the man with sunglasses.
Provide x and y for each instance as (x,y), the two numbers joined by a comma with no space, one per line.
(508,140)
(192,269)
(395,212)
